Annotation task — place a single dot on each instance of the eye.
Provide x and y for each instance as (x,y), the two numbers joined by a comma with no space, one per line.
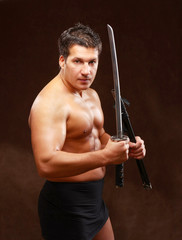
(92,62)
(77,61)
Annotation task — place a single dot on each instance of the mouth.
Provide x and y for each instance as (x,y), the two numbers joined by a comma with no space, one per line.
(84,80)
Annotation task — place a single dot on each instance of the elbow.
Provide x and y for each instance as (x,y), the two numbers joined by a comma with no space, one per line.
(43,171)
(44,163)
(43,168)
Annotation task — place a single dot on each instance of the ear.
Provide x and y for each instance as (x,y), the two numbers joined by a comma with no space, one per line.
(61,61)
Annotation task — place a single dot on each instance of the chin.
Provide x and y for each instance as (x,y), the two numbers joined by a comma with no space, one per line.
(85,87)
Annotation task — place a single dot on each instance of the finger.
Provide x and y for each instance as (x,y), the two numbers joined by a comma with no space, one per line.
(132,145)
(139,141)
(138,155)
(138,150)
(127,146)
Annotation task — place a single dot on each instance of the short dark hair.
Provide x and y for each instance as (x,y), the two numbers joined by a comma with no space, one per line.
(78,35)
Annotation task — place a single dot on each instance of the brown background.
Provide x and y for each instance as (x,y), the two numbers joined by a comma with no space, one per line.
(148,37)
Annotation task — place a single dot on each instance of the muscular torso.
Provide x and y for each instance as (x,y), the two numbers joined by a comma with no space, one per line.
(83,124)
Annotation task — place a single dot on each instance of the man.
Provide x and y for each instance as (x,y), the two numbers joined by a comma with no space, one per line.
(70,146)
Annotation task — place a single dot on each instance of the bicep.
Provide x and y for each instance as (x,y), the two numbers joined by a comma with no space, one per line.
(48,132)
(104,137)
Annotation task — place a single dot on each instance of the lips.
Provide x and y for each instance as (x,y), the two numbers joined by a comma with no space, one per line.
(84,79)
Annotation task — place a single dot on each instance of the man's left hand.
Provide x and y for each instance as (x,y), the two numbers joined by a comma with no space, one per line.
(137,150)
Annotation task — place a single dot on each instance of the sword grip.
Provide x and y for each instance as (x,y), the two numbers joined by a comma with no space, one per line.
(119,168)
(119,175)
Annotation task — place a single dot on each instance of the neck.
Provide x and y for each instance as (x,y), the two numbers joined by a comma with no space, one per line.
(68,86)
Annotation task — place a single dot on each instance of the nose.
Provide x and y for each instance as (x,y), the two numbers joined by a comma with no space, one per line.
(85,69)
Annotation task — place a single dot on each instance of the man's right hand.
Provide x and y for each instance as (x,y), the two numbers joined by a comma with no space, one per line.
(117,151)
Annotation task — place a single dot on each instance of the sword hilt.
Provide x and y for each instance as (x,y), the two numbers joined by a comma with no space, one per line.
(119,169)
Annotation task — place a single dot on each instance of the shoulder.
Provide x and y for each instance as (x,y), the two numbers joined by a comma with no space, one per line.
(50,104)
(93,94)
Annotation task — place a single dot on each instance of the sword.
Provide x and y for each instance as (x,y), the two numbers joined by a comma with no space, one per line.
(121,114)
(119,170)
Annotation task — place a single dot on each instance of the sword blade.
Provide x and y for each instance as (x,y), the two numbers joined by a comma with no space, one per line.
(118,110)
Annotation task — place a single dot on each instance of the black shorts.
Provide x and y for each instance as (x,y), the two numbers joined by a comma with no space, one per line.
(72,211)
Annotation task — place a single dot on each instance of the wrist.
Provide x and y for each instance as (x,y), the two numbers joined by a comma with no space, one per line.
(106,157)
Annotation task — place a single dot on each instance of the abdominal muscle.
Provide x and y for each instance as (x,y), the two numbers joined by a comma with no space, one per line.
(87,144)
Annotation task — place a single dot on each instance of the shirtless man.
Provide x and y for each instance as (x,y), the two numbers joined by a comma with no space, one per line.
(71,148)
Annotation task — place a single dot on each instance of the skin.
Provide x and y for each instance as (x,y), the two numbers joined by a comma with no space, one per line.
(66,120)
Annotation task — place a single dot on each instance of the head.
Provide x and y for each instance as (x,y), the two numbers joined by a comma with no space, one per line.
(78,35)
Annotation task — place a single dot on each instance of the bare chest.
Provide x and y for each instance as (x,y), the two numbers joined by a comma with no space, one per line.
(85,118)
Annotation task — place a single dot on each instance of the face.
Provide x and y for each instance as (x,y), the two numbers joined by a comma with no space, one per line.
(79,69)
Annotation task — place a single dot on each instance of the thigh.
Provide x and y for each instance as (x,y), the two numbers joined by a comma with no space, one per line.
(106,233)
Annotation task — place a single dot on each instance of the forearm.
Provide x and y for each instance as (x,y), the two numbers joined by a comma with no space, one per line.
(65,164)
(55,163)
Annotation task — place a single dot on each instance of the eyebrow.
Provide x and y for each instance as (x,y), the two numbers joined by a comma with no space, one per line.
(82,59)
